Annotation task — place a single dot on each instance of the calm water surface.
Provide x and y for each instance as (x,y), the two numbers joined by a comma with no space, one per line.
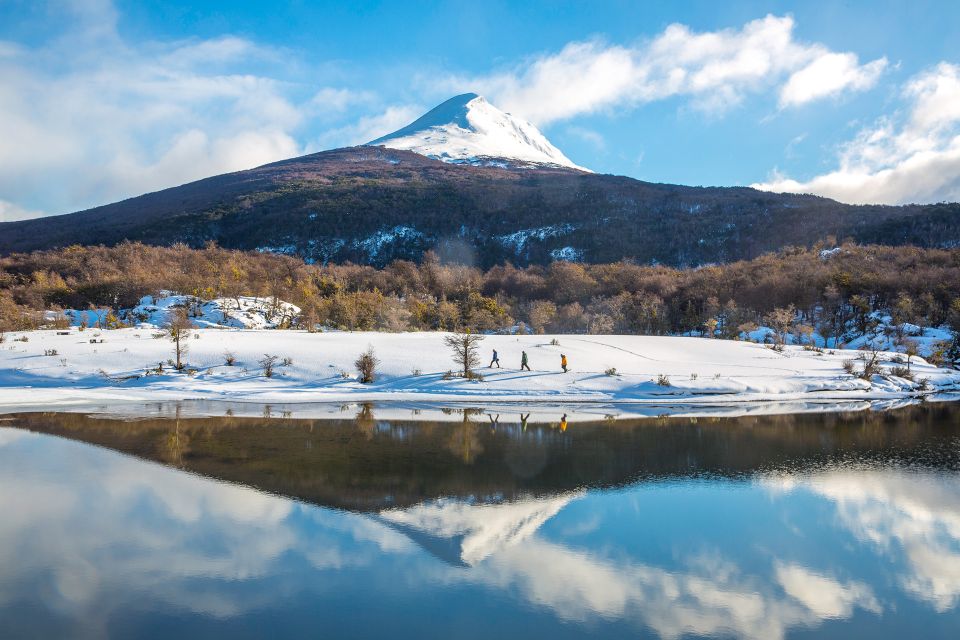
(468,525)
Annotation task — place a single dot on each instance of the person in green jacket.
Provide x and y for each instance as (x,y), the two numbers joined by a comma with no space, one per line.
(523,361)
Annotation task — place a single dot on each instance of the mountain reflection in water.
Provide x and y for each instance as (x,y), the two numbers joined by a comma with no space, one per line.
(759,527)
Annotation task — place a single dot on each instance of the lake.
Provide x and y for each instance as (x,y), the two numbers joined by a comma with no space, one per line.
(369,521)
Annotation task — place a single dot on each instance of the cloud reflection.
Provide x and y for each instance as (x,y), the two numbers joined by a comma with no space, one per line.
(910,517)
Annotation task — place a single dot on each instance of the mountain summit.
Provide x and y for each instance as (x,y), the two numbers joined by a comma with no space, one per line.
(466,129)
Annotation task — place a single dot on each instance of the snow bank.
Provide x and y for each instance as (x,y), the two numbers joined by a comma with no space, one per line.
(699,371)
(154,311)
(882,334)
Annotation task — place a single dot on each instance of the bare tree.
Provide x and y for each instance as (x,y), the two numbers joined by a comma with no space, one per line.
(178,329)
(268,362)
(366,364)
(466,348)
(911,348)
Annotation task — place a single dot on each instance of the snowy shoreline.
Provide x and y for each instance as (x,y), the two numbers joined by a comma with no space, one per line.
(80,369)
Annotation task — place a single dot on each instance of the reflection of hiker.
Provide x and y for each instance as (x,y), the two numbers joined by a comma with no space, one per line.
(494,423)
(495,360)
(563,362)
(563,423)
(523,421)
(523,361)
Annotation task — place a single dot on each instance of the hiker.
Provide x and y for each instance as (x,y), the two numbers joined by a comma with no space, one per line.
(563,362)
(523,361)
(496,360)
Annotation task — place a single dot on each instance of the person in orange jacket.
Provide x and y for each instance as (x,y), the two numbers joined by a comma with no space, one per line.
(563,362)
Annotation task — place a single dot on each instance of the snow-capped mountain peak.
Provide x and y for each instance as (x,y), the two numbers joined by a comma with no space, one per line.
(466,129)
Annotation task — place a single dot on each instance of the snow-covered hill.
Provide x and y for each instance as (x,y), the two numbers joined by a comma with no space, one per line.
(467,129)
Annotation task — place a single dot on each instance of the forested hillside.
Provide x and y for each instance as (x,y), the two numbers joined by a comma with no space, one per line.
(373,205)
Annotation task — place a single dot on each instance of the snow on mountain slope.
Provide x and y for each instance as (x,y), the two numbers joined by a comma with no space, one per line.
(467,129)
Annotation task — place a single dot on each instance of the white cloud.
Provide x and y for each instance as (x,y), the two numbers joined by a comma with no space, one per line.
(715,69)
(89,118)
(911,156)
(829,74)
(367,128)
(10,211)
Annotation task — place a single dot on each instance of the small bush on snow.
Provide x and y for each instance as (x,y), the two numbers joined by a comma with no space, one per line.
(901,372)
(268,363)
(366,365)
(663,380)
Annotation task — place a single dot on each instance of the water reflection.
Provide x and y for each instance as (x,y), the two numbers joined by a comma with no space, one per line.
(757,528)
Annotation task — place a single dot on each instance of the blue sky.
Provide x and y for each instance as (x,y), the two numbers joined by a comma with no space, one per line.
(859,101)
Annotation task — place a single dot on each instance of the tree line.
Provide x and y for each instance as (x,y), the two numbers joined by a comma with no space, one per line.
(795,289)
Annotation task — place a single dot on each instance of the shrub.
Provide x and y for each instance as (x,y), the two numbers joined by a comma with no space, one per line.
(612,371)
(663,380)
(871,366)
(554,342)
(848,366)
(50,352)
(416,372)
(901,372)
(229,358)
(287,361)
(268,363)
(366,364)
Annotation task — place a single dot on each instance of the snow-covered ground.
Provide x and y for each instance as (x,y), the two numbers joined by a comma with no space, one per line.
(882,333)
(242,312)
(51,368)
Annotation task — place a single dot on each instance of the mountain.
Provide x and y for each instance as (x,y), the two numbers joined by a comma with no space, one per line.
(503,193)
(466,129)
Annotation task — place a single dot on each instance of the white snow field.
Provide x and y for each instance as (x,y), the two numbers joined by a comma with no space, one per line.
(48,368)
(466,129)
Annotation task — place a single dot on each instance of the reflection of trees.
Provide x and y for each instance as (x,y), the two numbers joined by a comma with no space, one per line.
(361,462)
(175,443)
(365,421)
(464,440)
